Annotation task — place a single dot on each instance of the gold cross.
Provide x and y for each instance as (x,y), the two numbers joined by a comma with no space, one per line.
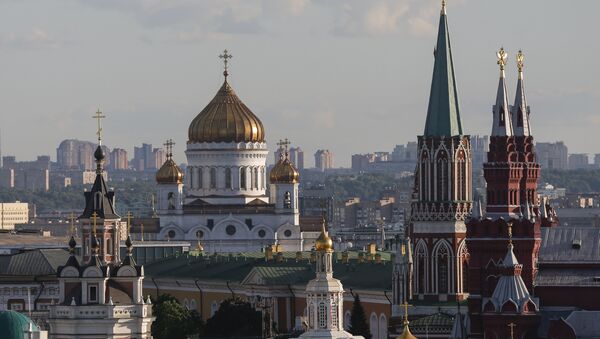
(94,218)
(99,116)
(169,146)
(512,330)
(501,54)
(405,305)
(284,143)
(510,225)
(225,56)
(72,219)
(520,58)
(129,215)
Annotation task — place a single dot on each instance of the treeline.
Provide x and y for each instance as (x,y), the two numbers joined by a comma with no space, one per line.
(575,181)
(365,186)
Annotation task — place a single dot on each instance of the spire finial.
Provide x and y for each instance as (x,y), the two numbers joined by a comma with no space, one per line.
(98,116)
(283,145)
(510,225)
(405,305)
(225,56)
(443,7)
(169,148)
(501,54)
(520,63)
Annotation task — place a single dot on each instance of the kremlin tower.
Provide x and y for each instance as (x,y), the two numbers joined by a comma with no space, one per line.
(442,193)
(512,214)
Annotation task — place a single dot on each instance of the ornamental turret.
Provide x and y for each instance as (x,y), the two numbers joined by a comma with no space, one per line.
(284,182)
(169,179)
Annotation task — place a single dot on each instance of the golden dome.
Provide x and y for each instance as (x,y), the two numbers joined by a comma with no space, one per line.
(324,242)
(169,173)
(226,119)
(284,172)
(406,333)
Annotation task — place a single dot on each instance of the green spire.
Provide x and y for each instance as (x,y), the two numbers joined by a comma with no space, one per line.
(443,114)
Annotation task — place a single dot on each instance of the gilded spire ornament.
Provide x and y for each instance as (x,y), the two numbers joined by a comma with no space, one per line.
(502,56)
(406,331)
(94,220)
(225,56)
(169,148)
(443,7)
(520,63)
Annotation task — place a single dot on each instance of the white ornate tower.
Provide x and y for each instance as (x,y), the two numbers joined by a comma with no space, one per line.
(169,180)
(284,179)
(226,151)
(325,296)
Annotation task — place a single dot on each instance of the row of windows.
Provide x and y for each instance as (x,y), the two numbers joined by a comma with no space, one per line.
(23,291)
(198,181)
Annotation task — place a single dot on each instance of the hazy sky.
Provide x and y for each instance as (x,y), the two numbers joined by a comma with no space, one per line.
(352,76)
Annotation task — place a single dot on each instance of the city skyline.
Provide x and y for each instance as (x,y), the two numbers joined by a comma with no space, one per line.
(156,66)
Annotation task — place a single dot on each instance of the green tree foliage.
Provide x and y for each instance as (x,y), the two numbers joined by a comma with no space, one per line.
(173,320)
(575,181)
(234,318)
(365,186)
(358,320)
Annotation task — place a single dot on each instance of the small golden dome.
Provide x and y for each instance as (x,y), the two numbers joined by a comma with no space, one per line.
(169,173)
(284,172)
(226,119)
(324,242)
(406,333)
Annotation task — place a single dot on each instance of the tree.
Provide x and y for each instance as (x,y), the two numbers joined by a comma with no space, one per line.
(358,320)
(173,320)
(248,321)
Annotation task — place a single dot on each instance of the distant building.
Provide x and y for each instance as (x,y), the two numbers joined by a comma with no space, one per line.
(76,154)
(27,175)
(323,159)
(7,178)
(578,161)
(158,158)
(297,157)
(143,157)
(479,146)
(118,159)
(12,213)
(597,160)
(552,155)
(406,152)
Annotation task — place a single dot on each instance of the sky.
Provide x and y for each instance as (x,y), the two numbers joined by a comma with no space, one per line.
(351,76)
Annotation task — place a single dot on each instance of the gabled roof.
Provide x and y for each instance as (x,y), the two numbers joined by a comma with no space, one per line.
(443,113)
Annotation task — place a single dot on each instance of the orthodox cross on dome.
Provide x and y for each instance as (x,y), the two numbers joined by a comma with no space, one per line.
(129,215)
(169,146)
(501,54)
(520,63)
(283,146)
(94,219)
(98,116)
(225,56)
(512,330)
(405,305)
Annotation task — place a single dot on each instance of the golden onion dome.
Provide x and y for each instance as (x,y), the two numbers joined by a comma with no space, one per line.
(406,333)
(169,173)
(284,172)
(324,242)
(226,119)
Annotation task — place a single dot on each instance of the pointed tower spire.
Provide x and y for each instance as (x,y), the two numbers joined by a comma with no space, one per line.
(520,110)
(502,125)
(443,113)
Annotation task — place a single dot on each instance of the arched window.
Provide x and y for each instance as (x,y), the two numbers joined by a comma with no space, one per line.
(109,246)
(334,315)
(287,200)
(98,201)
(228,178)
(243,183)
(186,303)
(442,269)
(374,326)
(347,317)
(264,178)
(461,177)
(383,327)
(213,178)
(421,268)
(424,172)
(214,307)
(256,177)
(193,304)
(442,177)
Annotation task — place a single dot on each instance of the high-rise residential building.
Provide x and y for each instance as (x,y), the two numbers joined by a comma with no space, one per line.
(75,154)
(552,155)
(28,175)
(118,159)
(143,157)
(479,145)
(578,161)
(597,160)
(297,157)
(406,152)
(158,158)
(323,159)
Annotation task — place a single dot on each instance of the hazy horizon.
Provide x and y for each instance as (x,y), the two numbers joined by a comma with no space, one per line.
(350,76)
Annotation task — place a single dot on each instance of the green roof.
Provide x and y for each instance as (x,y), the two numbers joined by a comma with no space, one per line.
(14,324)
(443,113)
(236,268)
(432,322)
(36,262)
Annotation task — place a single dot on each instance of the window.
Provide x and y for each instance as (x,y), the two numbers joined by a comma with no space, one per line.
(199,234)
(255,178)
(322,315)
(243,178)
(442,270)
(230,230)
(193,304)
(287,233)
(16,307)
(442,177)
(334,315)
(347,317)
(228,178)
(213,178)
(249,222)
(109,246)
(200,175)
(262,233)
(171,234)
(287,200)
(92,293)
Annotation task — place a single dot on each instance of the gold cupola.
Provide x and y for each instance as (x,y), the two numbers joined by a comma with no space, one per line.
(284,172)
(324,242)
(226,118)
(169,172)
